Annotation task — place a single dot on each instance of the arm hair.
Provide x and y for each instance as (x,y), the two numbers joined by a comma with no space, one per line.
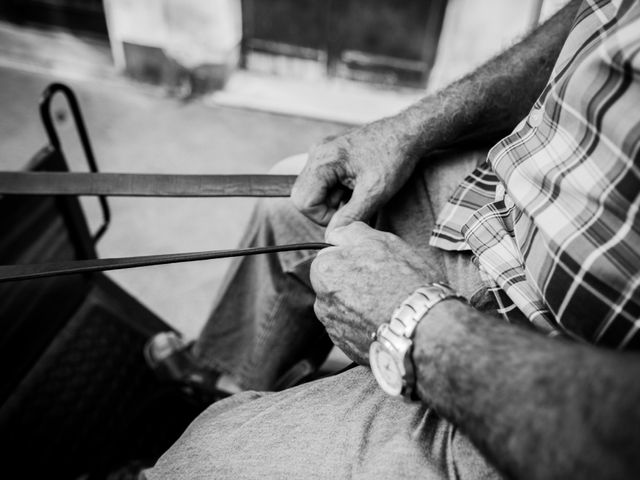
(538,408)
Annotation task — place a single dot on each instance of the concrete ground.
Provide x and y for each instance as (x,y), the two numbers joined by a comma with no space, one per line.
(137,129)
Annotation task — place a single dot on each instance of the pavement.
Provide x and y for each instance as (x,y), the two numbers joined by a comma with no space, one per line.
(333,99)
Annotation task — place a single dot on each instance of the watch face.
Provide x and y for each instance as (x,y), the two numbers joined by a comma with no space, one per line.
(385,369)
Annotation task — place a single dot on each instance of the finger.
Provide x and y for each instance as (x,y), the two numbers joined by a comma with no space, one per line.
(321,266)
(318,309)
(363,203)
(338,197)
(317,191)
(352,234)
(308,194)
(323,212)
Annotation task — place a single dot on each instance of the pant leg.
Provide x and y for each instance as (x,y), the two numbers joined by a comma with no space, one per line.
(263,321)
(342,427)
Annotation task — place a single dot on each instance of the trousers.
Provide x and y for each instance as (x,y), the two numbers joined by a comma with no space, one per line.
(338,427)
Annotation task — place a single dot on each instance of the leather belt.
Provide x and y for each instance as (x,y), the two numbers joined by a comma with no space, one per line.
(40,270)
(138,185)
(144,185)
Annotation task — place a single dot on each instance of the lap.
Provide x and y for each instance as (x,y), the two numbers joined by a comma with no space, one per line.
(340,427)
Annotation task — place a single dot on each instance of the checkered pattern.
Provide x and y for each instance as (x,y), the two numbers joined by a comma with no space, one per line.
(553,216)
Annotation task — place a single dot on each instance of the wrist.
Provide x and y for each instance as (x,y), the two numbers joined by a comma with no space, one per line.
(437,336)
(390,353)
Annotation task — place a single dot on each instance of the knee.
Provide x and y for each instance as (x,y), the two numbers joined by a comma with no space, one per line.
(274,210)
(292,165)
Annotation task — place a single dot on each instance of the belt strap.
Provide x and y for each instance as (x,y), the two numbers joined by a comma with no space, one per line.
(40,270)
(144,185)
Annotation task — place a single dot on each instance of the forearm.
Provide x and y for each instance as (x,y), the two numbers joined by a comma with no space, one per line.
(488,103)
(537,407)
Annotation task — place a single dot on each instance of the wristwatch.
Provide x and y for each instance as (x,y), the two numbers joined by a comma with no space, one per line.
(390,353)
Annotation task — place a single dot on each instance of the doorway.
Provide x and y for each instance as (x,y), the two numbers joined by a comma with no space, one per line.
(383,41)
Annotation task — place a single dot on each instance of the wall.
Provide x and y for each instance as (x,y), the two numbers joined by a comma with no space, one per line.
(474,31)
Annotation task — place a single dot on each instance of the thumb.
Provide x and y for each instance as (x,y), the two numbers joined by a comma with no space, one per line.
(363,203)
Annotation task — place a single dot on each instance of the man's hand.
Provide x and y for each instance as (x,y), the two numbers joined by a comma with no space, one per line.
(372,162)
(361,280)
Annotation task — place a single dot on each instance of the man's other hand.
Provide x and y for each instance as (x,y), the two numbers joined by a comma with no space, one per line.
(347,178)
(361,280)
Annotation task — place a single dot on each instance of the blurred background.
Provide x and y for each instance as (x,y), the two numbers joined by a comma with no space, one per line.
(224,86)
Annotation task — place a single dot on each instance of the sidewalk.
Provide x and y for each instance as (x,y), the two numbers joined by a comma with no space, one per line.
(332,100)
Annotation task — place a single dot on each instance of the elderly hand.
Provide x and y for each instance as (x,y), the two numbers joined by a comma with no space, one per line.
(373,162)
(361,280)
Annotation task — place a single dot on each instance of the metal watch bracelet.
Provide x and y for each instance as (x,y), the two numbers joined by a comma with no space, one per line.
(390,353)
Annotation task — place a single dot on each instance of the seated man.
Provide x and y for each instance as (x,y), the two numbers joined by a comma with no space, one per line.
(544,234)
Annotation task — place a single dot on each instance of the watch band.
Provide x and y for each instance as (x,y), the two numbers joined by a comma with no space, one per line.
(406,317)
(395,338)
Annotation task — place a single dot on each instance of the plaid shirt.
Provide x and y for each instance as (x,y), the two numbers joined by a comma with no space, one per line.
(553,216)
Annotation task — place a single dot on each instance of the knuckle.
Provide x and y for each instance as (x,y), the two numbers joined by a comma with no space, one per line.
(374,183)
(328,155)
(339,233)
(359,226)
(318,269)
(319,152)
(358,229)
(352,228)
(318,309)
(314,270)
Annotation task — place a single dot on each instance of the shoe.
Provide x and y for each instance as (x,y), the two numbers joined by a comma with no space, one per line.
(171,358)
